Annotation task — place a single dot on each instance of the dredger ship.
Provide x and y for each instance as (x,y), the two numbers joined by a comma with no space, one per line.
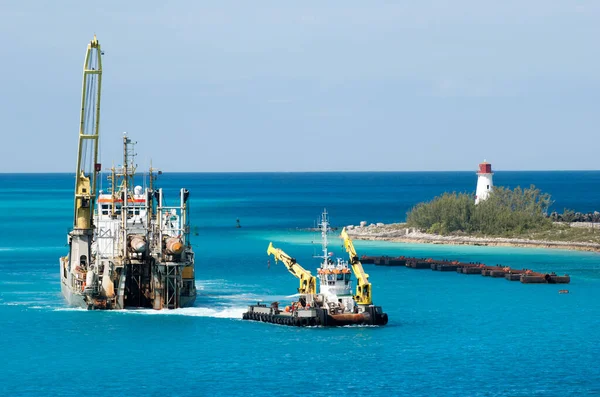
(127,248)
(334,304)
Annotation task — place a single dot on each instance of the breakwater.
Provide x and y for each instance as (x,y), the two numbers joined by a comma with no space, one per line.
(525,276)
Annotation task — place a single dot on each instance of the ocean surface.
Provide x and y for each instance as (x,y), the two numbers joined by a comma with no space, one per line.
(448,334)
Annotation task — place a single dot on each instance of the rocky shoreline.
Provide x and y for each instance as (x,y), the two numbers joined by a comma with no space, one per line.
(398,232)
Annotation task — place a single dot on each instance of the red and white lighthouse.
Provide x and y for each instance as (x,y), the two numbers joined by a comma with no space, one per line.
(485,182)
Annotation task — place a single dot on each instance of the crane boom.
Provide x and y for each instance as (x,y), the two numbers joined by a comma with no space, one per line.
(87,157)
(308,282)
(363,286)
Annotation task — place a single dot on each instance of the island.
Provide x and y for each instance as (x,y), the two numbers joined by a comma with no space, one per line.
(507,217)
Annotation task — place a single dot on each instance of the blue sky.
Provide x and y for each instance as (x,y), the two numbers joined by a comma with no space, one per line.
(306,86)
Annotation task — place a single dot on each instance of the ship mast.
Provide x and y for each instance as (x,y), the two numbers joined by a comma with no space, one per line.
(89,128)
(324,226)
(151,214)
(127,172)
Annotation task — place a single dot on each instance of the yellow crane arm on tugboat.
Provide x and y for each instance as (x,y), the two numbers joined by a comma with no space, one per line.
(308,282)
(363,286)
(87,157)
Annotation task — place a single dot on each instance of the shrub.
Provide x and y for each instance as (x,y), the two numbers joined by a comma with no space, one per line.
(504,212)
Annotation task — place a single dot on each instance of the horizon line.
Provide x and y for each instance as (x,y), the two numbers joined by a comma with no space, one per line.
(304,172)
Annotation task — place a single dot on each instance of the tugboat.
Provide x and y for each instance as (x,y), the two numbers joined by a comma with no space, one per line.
(334,304)
(130,250)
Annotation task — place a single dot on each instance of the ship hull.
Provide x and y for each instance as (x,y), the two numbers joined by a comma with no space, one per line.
(75,299)
(72,298)
(187,301)
(372,315)
(78,299)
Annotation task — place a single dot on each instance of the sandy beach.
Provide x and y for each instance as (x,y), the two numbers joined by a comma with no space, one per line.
(398,232)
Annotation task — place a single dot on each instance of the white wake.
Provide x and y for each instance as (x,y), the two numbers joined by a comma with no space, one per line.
(224,312)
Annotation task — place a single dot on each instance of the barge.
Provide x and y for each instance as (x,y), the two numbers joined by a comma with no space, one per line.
(317,316)
(525,276)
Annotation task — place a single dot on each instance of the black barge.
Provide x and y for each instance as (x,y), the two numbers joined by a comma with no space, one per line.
(314,316)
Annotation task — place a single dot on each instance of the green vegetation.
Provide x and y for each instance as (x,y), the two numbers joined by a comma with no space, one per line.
(506,212)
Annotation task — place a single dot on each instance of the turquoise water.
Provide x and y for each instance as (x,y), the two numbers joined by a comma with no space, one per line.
(448,334)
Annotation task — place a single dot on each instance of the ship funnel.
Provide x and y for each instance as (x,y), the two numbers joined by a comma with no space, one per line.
(174,246)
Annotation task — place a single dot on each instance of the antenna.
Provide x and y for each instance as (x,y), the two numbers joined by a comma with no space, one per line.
(325,229)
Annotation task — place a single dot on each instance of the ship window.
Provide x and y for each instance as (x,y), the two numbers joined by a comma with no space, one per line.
(488,186)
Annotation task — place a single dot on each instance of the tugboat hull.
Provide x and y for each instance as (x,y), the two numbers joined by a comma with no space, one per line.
(373,315)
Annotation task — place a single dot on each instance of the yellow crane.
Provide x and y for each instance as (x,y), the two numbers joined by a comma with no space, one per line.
(363,286)
(308,282)
(89,126)
(81,255)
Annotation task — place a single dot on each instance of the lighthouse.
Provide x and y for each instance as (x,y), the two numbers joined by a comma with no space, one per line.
(484,182)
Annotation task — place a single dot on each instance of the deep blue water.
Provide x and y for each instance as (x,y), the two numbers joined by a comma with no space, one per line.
(448,334)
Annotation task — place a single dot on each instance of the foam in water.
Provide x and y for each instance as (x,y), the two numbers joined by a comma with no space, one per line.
(30,248)
(70,309)
(226,312)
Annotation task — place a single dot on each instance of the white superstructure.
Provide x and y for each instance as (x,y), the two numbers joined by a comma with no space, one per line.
(335,276)
(139,256)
